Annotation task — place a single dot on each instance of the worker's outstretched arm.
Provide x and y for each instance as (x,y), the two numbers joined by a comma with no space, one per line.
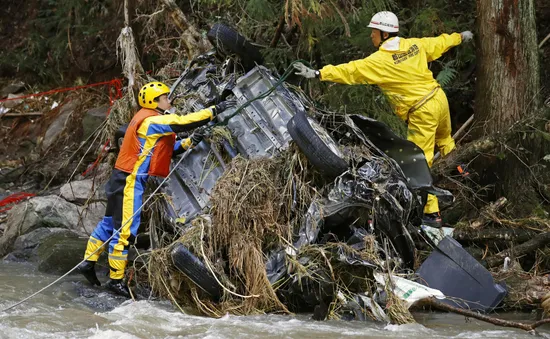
(352,73)
(173,123)
(436,47)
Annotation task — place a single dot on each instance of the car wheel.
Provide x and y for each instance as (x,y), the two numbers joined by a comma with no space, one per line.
(317,145)
(228,40)
(193,268)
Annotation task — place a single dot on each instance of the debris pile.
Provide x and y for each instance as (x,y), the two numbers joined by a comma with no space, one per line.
(271,246)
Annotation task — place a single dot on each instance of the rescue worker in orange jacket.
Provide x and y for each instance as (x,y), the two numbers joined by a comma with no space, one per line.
(400,69)
(147,149)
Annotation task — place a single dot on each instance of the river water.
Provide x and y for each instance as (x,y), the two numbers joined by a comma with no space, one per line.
(72,309)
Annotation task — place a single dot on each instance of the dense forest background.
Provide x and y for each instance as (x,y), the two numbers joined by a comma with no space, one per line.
(53,43)
(49,44)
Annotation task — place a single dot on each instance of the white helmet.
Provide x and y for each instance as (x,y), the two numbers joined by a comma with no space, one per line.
(385,21)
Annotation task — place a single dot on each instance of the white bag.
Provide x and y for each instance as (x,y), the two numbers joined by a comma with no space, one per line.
(407,290)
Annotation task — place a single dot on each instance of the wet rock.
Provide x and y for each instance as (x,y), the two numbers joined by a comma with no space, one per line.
(91,215)
(49,211)
(93,119)
(14,87)
(59,252)
(59,124)
(25,247)
(80,191)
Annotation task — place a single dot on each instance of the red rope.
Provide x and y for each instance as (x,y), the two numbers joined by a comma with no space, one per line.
(98,159)
(115,92)
(115,83)
(13,199)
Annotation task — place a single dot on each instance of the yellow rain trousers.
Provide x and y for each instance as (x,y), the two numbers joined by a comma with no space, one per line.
(400,69)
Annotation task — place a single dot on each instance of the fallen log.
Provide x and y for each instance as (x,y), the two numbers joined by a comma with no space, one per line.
(14,115)
(464,155)
(539,241)
(486,214)
(457,135)
(495,321)
(195,44)
(491,234)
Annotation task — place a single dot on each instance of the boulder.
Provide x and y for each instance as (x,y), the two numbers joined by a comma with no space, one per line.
(93,119)
(59,252)
(13,103)
(48,211)
(80,191)
(59,124)
(91,215)
(14,87)
(25,247)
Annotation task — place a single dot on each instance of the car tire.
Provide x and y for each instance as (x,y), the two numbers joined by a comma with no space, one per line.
(227,39)
(317,145)
(119,137)
(404,245)
(193,268)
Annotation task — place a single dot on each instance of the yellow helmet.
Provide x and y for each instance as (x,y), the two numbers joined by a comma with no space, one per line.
(150,92)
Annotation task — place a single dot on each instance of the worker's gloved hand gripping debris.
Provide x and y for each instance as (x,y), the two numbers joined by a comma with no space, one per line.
(467,36)
(197,137)
(305,71)
(222,106)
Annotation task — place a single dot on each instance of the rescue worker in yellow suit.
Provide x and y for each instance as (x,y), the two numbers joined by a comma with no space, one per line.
(147,149)
(400,69)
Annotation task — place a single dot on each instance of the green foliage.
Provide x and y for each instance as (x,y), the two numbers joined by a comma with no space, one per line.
(58,29)
(361,99)
(261,9)
(446,75)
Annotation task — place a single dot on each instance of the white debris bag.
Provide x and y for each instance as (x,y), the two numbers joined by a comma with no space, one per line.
(407,290)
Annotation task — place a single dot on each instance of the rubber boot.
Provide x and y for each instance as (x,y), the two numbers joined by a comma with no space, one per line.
(87,268)
(432,220)
(118,287)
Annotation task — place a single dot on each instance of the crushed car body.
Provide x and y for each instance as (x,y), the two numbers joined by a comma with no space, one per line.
(366,218)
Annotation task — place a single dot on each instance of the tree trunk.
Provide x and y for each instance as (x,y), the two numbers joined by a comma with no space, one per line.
(508,78)
(507,92)
(192,39)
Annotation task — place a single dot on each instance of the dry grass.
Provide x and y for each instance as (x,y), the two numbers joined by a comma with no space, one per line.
(257,206)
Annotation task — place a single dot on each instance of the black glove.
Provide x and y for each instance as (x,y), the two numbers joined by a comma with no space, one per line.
(222,106)
(197,137)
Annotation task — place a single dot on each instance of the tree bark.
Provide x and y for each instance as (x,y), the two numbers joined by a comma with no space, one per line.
(508,77)
(193,40)
(492,234)
(278,32)
(507,92)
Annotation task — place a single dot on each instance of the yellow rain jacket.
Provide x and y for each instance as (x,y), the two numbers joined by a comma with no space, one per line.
(400,69)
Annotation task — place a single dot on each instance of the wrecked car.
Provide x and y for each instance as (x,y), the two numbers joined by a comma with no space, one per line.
(380,194)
